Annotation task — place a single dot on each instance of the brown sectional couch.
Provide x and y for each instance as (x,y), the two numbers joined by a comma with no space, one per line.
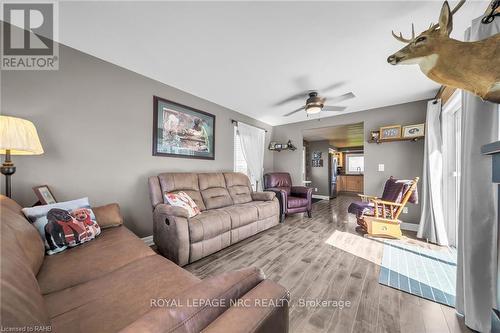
(231,212)
(110,283)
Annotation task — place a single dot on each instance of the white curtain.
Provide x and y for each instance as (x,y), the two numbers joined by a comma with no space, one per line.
(477,228)
(252,144)
(432,226)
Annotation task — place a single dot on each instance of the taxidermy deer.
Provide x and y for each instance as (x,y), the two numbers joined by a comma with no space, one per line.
(472,66)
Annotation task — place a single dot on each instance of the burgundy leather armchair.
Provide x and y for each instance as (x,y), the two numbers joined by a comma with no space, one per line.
(292,199)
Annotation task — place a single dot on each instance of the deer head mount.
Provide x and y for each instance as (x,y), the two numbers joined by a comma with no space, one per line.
(472,66)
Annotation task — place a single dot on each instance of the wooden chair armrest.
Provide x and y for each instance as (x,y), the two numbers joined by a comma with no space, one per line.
(367,198)
(383,202)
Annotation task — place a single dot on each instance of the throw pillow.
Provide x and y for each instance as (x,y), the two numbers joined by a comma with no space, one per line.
(108,216)
(64,224)
(181,199)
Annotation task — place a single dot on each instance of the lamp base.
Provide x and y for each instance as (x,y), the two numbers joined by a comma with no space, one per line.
(7,169)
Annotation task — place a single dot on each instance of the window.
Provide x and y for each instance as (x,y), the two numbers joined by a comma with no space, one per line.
(355,163)
(240,165)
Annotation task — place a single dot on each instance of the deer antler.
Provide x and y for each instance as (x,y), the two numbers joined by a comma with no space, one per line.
(402,39)
(457,7)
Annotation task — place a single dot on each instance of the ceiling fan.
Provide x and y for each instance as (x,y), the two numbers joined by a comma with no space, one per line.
(315,103)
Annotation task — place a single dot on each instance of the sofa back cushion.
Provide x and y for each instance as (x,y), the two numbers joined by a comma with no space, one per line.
(239,187)
(281,180)
(25,233)
(182,181)
(22,255)
(213,190)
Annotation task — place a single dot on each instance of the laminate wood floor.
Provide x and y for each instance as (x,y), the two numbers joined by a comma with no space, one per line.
(326,258)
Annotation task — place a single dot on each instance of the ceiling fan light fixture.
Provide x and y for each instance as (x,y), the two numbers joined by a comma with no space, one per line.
(313,109)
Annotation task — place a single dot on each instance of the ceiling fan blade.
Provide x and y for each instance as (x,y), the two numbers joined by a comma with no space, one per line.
(332,86)
(301,95)
(294,111)
(333,108)
(341,98)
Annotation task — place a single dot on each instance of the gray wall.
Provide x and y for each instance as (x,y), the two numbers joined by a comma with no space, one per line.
(401,159)
(95,122)
(319,175)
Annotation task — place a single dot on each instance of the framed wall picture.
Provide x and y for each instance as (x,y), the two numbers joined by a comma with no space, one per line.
(317,155)
(374,135)
(44,195)
(413,131)
(390,132)
(317,163)
(182,131)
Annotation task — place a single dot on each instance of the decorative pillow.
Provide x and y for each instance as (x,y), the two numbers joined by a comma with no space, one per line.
(108,216)
(181,199)
(64,224)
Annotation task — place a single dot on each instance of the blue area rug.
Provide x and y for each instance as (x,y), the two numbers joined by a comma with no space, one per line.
(430,274)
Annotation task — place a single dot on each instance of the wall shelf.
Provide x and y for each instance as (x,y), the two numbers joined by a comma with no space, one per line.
(417,138)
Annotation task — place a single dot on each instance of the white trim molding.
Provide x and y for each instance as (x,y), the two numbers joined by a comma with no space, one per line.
(323,197)
(409,226)
(148,240)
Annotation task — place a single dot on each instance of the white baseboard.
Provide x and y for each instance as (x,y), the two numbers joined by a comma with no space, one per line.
(323,197)
(148,240)
(409,226)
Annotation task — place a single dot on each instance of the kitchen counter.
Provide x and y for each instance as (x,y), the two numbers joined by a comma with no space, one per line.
(350,183)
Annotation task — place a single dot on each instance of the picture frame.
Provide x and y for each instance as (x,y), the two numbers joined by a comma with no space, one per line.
(44,194)
(414,131)
(317,155)
(182,131)
(317,163)
(374,135)
(390,132)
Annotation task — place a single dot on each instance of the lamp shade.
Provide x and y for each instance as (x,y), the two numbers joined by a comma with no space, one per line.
(19,136)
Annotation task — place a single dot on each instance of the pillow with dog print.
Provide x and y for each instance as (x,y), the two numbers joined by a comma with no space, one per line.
(182,199)
(64,224)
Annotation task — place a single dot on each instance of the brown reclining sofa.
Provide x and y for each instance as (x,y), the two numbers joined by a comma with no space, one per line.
(117,283)
(230,212)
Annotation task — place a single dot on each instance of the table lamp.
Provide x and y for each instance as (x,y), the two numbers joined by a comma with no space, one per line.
(17,137)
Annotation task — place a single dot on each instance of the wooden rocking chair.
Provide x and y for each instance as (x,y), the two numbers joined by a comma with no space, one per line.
(379,217)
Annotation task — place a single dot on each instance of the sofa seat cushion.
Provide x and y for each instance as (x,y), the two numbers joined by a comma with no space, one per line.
(208,224)
(296,202)
(117,299)
(114,248)
(266,209)
(242,214)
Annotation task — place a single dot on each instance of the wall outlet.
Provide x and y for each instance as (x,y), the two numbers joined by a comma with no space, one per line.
(381,167)
(405,210)
(315,189)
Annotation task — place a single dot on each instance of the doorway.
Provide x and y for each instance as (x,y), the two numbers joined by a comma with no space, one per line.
(333,160)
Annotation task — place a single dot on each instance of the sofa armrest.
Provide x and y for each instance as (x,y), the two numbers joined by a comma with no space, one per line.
(197,307)
(171,233)
(282,199)
(262,309)
(301,191)
(170,210)
(263,196)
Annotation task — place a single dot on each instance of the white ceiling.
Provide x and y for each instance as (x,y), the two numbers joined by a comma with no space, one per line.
(247,56)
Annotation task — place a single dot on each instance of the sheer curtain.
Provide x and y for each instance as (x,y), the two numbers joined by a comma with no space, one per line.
(252,144)
(477,228)
(432,226)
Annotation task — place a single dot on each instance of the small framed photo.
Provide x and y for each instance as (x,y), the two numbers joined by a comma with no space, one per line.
(317,155)
(44,194)
(413,131)
(374,135)
(390,132)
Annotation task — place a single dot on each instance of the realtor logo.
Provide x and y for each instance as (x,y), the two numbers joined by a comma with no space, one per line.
(29,30)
